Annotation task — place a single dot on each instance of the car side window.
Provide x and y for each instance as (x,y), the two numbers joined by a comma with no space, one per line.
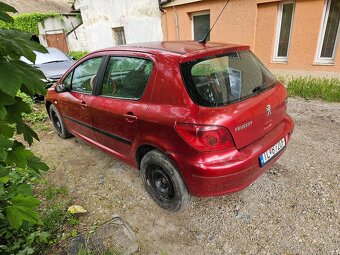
(67,80)
(126,77)
(84,75)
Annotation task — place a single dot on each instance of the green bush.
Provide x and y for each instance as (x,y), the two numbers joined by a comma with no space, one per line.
(327,89)
(28,22)
(20,169)
(77,54)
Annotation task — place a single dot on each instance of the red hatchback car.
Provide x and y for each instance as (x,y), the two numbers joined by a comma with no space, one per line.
(196,119)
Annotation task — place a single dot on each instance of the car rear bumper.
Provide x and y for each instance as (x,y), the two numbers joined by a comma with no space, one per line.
(219,173)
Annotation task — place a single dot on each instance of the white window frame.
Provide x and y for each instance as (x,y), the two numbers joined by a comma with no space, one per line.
(322,60)
(276,58)
(194,14)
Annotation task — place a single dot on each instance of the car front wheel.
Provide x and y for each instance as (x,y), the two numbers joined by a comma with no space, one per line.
(163,182)
(58,123)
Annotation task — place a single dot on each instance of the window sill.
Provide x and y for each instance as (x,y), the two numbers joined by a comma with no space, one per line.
(323,64)
(277,61)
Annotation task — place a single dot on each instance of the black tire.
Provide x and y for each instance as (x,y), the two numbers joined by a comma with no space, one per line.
(58,123)
(163,182)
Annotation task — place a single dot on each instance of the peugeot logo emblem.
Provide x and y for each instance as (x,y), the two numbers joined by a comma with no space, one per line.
(269,110)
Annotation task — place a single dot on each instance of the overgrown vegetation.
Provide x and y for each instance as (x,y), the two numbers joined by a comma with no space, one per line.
(28,22)
(327,89)
(77,54)
(22,229)
(38,117)
(56,225)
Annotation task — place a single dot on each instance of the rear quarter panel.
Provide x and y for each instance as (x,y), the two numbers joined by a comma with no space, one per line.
(169,104)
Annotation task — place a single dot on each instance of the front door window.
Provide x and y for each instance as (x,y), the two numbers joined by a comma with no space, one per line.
(84,76)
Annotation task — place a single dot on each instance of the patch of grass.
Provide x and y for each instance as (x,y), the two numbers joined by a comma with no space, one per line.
(52,192)
(38,117)
(327,89)
(38,114)
(77,54)
(42,127)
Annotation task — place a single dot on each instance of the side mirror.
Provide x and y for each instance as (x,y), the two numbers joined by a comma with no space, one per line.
(60,88)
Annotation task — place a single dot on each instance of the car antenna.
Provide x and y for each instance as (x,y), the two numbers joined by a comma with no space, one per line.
(204,41)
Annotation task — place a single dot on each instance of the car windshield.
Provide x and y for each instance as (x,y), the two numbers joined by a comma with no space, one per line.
(53,55)
(220,80)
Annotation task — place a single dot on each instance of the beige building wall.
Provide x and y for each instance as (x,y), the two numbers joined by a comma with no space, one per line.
(236,25)
(254,23)
(304,37)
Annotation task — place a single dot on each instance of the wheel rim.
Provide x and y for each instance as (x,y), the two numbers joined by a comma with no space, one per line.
(160,183)
(56,123)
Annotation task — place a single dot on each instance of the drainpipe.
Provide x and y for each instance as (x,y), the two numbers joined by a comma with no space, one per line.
(176,21)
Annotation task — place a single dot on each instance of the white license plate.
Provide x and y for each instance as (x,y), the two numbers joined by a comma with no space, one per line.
(269,154)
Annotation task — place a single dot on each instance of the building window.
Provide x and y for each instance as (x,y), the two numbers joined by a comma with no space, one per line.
(329,35)
(119,35)
(284,31)
(200,25)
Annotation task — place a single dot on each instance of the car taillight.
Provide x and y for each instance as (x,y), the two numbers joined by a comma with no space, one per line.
(205,138)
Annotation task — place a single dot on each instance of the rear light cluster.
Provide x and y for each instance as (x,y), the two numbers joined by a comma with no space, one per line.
(205,138)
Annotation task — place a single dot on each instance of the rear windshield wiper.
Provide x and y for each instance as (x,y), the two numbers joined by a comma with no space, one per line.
(262,87)
(258,88)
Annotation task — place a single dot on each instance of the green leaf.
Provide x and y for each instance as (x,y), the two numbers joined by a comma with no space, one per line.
(7,8)
(18,107)
(5,142)
(3,112)
(17,44)
(22,188)
(28,132)
(20,73)
(3,154)
(18,156)
(36,164)
(2,193)
(6,99)
(3,171)
(5,17)
(23,208)
(5,179)
(6,129)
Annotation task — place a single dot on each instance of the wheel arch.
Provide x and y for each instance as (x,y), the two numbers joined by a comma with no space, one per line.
(48,105)
(142,150)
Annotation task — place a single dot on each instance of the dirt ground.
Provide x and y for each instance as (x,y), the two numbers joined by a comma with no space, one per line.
(291,209)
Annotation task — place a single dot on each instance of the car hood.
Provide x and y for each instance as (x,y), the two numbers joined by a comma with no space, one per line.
(56,69)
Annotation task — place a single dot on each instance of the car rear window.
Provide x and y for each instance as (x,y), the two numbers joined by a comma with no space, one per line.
(224,79)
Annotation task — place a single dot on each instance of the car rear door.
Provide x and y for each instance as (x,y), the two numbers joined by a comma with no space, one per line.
(75,105)
(124,95)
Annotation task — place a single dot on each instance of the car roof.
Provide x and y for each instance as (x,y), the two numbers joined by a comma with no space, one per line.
(176,47)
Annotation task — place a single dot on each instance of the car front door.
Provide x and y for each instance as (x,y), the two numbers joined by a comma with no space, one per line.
(124,96)
(75,105)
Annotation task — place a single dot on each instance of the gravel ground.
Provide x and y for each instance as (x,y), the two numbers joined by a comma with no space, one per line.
(291,209)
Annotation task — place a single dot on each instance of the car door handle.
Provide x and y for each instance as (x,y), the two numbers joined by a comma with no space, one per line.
(83,104)
(130,117)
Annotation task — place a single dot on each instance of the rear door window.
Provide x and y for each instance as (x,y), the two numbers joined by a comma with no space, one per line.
(220,80)
(126,77)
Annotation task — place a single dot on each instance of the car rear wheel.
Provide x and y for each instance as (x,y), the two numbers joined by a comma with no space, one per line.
(163,182)
(58,123)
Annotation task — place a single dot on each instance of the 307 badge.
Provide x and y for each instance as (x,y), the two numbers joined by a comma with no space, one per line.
(269,154)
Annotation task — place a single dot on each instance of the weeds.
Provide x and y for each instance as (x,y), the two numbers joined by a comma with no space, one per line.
(327,89)
(52,192)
